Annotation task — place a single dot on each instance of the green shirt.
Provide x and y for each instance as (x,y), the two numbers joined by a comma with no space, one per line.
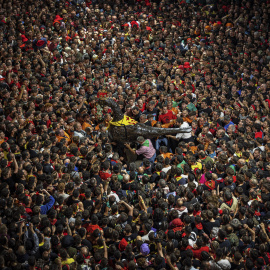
(175,104)
(191,107)
(179,165)
(207,159)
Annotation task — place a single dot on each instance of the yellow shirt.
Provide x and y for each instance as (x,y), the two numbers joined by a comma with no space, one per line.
(68,261)
(198,165)
(239,154)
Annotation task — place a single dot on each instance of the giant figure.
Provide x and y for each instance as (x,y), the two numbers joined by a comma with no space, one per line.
(125,129)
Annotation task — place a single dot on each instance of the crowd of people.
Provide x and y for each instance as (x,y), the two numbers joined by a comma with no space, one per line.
(71,198)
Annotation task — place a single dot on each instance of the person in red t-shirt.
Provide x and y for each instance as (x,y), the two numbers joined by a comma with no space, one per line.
(167,116)
(105,173)
(257,129)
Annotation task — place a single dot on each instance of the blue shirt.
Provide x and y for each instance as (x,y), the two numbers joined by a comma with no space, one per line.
(213,155)
(226,127)
(45,208)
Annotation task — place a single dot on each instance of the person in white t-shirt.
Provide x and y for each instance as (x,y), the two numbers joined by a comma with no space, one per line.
(185,137)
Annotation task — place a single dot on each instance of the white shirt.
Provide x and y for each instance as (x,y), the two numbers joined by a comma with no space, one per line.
(184,126)
(80,134)
(192,239)
(146,237)
(114,195)
(196,183)
(180,213)
(222,264)
(184,176)
(259,147)
(166,169)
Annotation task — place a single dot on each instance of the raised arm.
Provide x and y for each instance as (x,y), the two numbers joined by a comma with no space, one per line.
(105,248)
(264,231)
(160,252)
(130,208)
(142,204)
(251,232)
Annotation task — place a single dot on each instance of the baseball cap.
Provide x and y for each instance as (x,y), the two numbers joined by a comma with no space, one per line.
(235,223)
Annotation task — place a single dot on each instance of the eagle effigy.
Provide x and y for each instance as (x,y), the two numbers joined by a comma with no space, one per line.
(125,129)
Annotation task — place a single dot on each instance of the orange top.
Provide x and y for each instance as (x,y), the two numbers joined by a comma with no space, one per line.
(168,155)
(153,123)
(67,137)
(85,125)
(175,110)
(105,123)
(187,119)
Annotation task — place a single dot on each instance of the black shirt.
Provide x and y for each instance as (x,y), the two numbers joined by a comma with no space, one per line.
(87,203)
(154,113)
(237,266)
(208,226)
(71,201)
(11,183)
(225,244)
(206,110)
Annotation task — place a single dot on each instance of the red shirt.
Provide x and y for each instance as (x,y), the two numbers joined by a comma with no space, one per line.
(143,108)
(258,134)
(166,118)
(91,228)
(104,175)
(197,252)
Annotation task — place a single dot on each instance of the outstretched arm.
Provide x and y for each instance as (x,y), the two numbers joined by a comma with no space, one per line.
(171,136)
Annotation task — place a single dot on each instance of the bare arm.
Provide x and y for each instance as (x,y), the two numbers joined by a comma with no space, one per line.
(226,16)
(106,184)
(16,167)
(87,39)
(9,77)
(264,231)
(68,228)
(41,61)
(236,21)
(106,212)
(21,230)
(168,258)
(172,137)
(251,232)
(130,208)
(129,148)
(142,204)
(80,105)
(127,53)
(21,93)
(264,103)
(46,192)
(105,248)
(236,210)
(160,252)
(41,13)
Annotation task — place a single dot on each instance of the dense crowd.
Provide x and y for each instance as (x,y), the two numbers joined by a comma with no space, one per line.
(71,198)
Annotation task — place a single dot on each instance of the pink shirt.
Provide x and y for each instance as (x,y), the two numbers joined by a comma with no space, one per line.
(146,151)
(203,180)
